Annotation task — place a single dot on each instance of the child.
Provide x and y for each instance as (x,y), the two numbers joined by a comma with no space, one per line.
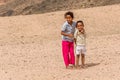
(80,43)
(67,33)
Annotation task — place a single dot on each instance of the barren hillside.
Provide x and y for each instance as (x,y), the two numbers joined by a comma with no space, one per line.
(23,7)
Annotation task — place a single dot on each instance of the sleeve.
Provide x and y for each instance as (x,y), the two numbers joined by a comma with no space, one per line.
(85,34)
(75,34)
(63,28)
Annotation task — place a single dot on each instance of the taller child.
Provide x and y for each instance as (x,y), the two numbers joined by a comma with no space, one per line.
(67,33)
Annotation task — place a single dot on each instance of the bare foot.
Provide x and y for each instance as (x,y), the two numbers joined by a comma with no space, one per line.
(78,67)
(83,66)
(74,67)
(69,67)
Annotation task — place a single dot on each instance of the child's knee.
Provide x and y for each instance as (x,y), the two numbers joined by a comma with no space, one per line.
(83,55)
(77,56)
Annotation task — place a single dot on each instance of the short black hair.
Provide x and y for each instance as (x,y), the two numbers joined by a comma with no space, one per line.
(69,13)
(80,21)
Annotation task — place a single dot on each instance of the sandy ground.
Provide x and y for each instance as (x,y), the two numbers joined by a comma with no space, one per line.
(30,46)
(2,3)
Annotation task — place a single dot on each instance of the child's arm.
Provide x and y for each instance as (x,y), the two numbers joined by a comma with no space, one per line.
(65,34)
(83,31)
(75,40)
(75,36)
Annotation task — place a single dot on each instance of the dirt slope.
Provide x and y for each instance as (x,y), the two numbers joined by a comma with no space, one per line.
(23,7)
(30,46)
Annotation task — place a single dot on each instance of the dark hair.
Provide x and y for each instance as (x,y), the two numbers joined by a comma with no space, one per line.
(79,22)
(69,13)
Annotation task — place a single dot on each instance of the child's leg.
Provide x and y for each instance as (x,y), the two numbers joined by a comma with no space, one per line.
(83,59)
(77,60)
(72,56)
(65,50)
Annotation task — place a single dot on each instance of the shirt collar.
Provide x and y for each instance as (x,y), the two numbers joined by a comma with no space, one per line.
(69,24)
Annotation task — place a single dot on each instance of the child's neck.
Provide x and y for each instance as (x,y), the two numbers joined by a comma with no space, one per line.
(70,23)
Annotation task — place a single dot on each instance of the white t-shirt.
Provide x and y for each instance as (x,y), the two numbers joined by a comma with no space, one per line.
(80,38)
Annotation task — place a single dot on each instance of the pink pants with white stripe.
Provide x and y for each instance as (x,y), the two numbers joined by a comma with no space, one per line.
(68,52)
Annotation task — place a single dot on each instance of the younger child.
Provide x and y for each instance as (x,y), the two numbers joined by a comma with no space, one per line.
(80,43)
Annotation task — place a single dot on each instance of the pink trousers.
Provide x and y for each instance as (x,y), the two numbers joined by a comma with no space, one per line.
(68,52)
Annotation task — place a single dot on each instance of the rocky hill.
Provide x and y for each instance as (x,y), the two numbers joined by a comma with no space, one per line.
(24,7)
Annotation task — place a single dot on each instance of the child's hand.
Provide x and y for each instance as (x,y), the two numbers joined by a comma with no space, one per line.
(70,35)
(82,31)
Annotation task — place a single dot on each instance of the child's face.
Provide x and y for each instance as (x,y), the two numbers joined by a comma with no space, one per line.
(68,18)
(80,26)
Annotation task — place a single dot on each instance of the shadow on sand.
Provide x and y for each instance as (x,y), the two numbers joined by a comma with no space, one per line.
(87,65)
(91,64)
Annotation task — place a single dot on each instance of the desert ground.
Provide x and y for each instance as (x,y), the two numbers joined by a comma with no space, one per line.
(30,46)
